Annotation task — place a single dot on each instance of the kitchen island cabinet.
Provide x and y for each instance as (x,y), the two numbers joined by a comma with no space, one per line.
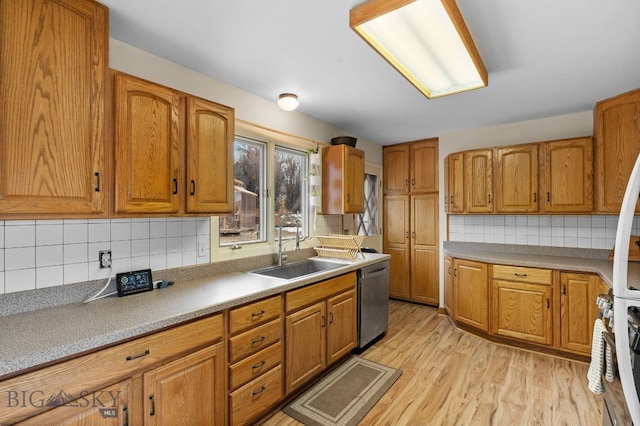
(54,155)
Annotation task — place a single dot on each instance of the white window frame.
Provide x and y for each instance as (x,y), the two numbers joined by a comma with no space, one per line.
(270,246)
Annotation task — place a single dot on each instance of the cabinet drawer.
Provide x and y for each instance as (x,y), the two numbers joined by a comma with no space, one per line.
(255,365)
(245,317)
(308,295)
(251,400)
(98,369)
(522,274)
(255,339)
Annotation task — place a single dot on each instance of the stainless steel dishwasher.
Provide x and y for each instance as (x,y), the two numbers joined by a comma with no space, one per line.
(373,302)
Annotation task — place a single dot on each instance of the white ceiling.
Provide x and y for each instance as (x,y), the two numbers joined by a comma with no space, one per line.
(544,58)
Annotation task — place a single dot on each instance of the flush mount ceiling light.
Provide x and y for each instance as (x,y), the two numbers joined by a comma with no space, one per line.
(427,41)
(288,101)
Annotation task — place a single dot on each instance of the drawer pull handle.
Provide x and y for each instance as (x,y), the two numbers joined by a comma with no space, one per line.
(259,365)
(258,340)
(257,314)
(153,406)
(132,357)
(259,391)
(520,275)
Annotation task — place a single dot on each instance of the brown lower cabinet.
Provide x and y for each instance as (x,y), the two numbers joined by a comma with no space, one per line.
(543,307)
(174,376)
(320,327)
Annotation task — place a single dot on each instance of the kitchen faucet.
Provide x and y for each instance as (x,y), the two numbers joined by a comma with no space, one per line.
(286,218)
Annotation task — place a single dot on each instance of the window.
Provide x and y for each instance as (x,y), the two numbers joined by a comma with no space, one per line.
(367,222)
(246,224)
(259,165)
(290,192)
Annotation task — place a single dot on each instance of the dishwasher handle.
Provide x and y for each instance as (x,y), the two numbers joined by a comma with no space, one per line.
(375,273)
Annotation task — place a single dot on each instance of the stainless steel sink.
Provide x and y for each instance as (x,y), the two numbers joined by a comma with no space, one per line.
(297,269)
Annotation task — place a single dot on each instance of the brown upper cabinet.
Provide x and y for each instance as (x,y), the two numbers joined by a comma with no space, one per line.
(617,134)
(567,175)
(454,183)
(156,128)
(408,167)
(478,180)
(517,179)
(54,68)
(342,180)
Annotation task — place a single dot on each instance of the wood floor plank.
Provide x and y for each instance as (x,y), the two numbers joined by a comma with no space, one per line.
(452,377)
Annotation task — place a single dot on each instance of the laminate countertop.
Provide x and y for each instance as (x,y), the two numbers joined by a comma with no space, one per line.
(560,258)
(39,337)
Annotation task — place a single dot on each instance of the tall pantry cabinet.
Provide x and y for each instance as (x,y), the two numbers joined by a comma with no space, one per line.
(411,219)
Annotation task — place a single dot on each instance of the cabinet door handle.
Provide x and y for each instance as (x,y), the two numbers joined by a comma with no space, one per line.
(348,198)
(406,183)
(548,196)
(548,303)
(259,391)
(535,197)
(132,357)
(451,199)
(489,198)
(455,272)
(330,317)
(175,186)
(564,289)
(153,406)
(323,321)
(520,275)
(97,175)
(193,187)
(257,314)
(450,271)
(446,200)
(258,365)
(413,183)
(413,234)
(125,410)
(257,340)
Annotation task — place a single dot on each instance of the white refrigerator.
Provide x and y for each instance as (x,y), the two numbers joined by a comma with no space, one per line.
(626,293)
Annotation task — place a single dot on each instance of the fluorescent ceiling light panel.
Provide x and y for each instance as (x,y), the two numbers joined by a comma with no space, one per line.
(427,41)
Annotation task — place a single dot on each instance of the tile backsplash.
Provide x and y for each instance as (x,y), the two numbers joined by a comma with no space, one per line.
(36,254)
(595,232)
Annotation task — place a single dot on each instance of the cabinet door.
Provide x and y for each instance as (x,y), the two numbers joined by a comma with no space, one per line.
(471,293)
(448,285)
(578,310)
(396,168)
(354,186)
(108,406)
(522,311)
(456,182)
(617,133)
(567,177)
(53,63)
(210,157)
(306,353)
(190,390)
(517,179)
(396,243)
(342,325)
(342,180)
(149,152)
(478,166)
(423,159)
(424,248)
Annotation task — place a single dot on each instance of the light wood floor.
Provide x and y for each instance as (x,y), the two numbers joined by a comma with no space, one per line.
(451,377)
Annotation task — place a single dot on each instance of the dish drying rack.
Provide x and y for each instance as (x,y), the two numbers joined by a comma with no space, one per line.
(340,246)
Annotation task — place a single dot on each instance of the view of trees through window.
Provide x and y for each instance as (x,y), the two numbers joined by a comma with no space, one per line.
(247,223)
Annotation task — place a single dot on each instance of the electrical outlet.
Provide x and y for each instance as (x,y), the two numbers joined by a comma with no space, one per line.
(104,257)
